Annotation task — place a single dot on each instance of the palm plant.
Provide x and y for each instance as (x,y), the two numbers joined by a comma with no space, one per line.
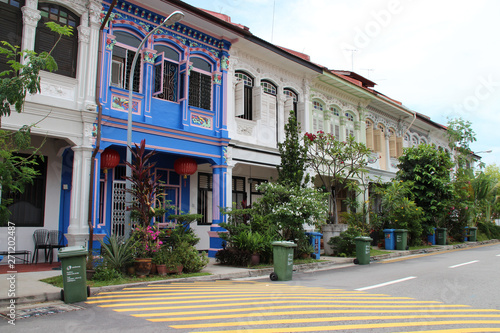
(118,252)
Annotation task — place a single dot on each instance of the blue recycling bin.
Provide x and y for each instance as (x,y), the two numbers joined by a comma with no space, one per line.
(390,243)
(431,238)
(315,240)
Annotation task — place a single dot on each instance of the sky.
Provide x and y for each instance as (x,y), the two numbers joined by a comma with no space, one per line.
(438,57)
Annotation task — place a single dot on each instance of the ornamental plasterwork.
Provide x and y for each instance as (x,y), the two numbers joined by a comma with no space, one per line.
(76,6)
(337,92)
(329,101)
(267,67)
(83,34)
(146,19)
(33,4)
(245,128)
(31,16)
(94,12)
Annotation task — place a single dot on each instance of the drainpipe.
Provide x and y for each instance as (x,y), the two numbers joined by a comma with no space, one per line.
(98,138)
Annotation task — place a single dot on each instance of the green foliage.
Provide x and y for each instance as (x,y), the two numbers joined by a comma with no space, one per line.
(289,208)
(146,190)
(118,253)
(399,212)
(344,245)
(460,135)
(490,230)
(190,258)
(336,163)
(168,257)
(146,241)
(106,273)
(291,171)
(182,231)
(429,171)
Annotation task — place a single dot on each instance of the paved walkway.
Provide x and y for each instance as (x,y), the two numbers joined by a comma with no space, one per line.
(25,287)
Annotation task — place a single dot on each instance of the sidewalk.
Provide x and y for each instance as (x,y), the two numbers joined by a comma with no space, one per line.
(28,288)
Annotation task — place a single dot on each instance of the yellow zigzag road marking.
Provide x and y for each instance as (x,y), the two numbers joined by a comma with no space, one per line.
(156,293)
(477,313)
(354,327)
(202,298)
(323,319)
(322,306)
(271,298)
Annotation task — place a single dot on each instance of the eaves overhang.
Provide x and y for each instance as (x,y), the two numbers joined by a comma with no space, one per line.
(375,99)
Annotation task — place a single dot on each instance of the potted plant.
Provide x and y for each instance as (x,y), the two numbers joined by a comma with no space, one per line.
(145,190)
(305,249)
(117,252)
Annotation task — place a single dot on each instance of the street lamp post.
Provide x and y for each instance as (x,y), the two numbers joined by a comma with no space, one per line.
(171,19)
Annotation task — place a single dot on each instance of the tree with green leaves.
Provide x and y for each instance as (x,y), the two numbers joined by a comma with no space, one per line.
(460,135)
(293,155)
(16,171)
(429,171)
(338,164)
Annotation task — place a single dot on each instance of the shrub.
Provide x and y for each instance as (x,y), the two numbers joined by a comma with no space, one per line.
(105,273)
(344,245)
(117,252)
(233,256)
(190,258)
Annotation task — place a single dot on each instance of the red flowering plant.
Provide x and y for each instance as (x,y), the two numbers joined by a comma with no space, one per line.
(336,163)
(148,241)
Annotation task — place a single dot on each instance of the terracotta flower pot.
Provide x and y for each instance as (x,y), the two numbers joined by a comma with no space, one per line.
(142,267)
(162,269)
(175,270)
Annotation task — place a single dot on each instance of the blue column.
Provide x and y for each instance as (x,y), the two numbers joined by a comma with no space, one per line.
(218,200)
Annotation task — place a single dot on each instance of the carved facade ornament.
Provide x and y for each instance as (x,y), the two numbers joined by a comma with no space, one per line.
(83,34)
(94,12)
(33,4)
(31,16)
(245,128)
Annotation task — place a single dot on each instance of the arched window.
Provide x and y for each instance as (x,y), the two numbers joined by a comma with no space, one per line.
(370,141)
(332,121)
(66,52)
(243,95)
(166,76)
(11,27)
(393,150)
(318,116)
(268,87)
(200,84)
(123,55)
(349,126)
(291,101)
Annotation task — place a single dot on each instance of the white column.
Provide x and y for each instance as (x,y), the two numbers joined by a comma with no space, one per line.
(78,231)
(387,150)
(31,16)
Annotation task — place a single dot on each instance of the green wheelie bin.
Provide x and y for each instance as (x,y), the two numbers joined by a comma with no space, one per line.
(282,260)
(401,236)
(74,272)
(441,236)
(363,246)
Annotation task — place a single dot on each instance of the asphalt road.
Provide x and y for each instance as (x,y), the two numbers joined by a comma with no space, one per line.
(439,292)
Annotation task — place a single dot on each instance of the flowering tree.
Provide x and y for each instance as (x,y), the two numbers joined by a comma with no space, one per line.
(336,163)
(290,207)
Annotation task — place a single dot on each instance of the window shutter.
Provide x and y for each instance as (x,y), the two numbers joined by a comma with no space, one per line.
(369,137)
(257,97)
(289,105)
(392,146)
(399,146)
(239,98)
(301,113)
(11,27)
(158,76)
(377,140)
(337,132)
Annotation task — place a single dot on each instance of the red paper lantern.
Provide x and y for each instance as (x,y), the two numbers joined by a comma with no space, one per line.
(109,159)
(185,166)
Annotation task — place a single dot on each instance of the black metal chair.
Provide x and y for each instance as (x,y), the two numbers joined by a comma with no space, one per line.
(41,240)
(56,241)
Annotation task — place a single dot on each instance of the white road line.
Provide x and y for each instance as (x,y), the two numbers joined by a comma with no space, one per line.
(386,283)
(465,263)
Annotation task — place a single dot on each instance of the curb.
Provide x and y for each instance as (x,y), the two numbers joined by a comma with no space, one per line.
(251,273)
